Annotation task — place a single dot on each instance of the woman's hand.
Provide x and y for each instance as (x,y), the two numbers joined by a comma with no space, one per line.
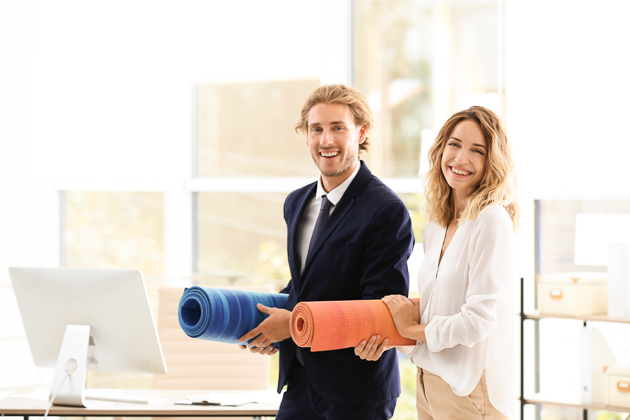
(406,315)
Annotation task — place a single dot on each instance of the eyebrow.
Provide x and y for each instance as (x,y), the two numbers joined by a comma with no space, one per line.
(331,123)
(474,144)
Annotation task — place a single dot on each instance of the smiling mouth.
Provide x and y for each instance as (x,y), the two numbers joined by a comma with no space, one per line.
(460,171)
(329,154)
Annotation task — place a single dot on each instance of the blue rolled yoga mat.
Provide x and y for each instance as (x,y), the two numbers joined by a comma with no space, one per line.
(224,314)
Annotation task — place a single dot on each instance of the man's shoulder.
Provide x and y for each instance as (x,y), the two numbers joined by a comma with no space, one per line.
(305,190)
(295,197)
(377,190)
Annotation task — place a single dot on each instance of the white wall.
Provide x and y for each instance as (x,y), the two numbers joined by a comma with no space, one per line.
(567,95)
(99,95)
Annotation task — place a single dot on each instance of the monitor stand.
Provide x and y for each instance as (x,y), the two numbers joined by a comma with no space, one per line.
(68,386)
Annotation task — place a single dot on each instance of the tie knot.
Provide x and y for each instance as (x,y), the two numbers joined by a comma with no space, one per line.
(326,205)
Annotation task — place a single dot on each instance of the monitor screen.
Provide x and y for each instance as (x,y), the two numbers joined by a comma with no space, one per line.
(81,318)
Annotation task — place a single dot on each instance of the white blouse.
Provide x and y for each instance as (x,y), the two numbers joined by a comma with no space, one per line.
(467,301)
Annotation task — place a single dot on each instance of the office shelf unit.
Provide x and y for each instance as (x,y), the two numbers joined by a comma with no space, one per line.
(539,399)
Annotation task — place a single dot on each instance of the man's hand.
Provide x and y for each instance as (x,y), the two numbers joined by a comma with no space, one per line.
(371,349)
(273,329)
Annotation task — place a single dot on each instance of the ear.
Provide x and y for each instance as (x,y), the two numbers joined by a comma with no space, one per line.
(362,133)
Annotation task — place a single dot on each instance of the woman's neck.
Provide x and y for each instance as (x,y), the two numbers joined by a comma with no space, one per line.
(459,205)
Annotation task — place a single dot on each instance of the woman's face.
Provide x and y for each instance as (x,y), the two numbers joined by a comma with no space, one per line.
(464,158)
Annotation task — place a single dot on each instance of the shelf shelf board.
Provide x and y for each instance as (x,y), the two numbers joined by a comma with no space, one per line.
(598,318)
(541,399)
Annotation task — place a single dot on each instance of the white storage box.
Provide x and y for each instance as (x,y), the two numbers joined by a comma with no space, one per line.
(572,293)
(618,386)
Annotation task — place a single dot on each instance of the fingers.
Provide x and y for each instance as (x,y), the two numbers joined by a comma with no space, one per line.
(380,350)
(371,349)
(264,309)
(268,350)
(358,350)
(248,336)
(394,299)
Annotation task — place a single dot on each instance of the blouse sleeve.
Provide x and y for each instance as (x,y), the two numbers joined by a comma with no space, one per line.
(489,284)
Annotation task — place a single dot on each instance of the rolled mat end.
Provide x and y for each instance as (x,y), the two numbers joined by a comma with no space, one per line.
(224,315)
(334,325)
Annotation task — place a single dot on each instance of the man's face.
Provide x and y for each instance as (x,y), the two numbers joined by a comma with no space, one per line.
(334,139)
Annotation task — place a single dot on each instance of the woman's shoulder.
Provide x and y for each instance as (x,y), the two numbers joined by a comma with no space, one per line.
(494,211)
(496,216)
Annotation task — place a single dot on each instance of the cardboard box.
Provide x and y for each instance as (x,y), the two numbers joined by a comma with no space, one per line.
(572,293)
(618,386)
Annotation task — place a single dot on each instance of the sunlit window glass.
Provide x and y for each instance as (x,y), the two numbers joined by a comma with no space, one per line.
(242,238)
(113,230)
(419,62)
(246,129)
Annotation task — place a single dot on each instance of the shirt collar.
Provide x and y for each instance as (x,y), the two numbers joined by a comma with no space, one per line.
(335,195)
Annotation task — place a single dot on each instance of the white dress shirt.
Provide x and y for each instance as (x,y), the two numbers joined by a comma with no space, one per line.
(466,300)
(307,223)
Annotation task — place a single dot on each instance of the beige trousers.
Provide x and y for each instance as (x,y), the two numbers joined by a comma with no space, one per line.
(436,400)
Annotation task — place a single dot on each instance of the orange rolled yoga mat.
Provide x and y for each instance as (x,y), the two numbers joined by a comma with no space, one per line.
(334,325)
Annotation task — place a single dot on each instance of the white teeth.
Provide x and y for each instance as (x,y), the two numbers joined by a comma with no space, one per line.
(460,172)
(329,154)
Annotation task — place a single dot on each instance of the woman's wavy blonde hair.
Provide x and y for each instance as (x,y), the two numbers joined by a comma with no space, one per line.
(339,94)
(498,185)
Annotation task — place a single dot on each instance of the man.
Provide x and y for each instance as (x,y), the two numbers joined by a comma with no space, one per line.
(361,253)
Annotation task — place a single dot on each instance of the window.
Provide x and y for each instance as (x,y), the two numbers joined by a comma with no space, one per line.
(419,62)
(241,237)
(246,129)
(248,158)
(113,230)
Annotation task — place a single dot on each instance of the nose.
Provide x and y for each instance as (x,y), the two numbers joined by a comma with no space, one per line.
(327,137)
(461,156)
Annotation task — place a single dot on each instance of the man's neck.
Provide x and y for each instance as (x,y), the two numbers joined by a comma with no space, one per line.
(329,183)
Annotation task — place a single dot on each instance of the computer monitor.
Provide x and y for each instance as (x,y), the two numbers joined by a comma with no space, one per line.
(80,318)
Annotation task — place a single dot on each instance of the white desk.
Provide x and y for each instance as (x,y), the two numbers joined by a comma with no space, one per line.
(16,406)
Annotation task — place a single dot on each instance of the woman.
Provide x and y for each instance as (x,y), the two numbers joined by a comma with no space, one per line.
(464,322)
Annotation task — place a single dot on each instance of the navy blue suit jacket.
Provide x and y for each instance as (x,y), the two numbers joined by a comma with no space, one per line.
(361,254)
